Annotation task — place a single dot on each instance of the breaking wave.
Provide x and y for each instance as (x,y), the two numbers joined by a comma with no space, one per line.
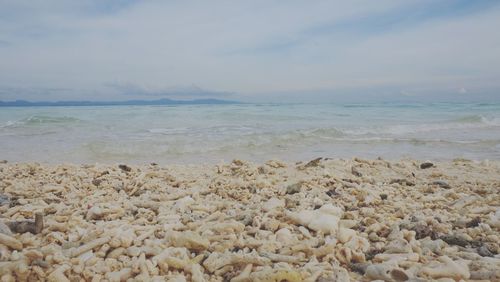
(466,122)
(41,120)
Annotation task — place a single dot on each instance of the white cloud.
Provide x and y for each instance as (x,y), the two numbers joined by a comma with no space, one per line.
(252,48)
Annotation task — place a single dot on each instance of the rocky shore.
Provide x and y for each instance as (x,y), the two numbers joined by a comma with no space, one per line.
(322,220)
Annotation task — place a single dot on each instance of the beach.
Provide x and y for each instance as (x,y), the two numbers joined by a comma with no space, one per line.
(323,219)
(241,141)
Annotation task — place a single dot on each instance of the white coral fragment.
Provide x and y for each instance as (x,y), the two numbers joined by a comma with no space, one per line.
(447,269)
(325,219)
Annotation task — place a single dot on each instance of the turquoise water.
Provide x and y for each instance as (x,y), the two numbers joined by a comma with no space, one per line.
(256,132)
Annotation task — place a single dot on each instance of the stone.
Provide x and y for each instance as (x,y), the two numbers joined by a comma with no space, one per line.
(473,223)
(125,167)
(426,165)
(4,229)
(442,184)
(314,162)
(273,204)
(294,188)
(455,239)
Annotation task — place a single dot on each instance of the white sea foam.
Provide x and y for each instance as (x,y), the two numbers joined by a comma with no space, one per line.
(402,129)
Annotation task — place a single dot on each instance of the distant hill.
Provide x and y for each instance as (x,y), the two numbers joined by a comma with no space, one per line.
(23,103)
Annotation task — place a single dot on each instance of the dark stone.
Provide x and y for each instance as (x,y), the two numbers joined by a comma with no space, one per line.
(484,251)
(372,253)
(423,231)
(384,232)
(261,170)
(23,226)
(13,201)
(314,162)
(294,188)
(383,196)
(473,223)
(96,181)
(442,184)
(426,165)
(124,167)
(332,193)
(360,267)
(455,240)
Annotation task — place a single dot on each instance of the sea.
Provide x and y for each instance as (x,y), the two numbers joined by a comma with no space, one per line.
(211,134)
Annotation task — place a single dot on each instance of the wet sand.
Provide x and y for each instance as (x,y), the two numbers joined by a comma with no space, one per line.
(323,220)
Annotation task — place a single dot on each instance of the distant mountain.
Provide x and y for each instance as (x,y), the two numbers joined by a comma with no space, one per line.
(23,103)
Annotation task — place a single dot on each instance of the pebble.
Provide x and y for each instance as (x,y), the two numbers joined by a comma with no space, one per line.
(442,184)
(4,200)
(455,240)
(426,165)
(294,188)
(4,229)
(241,222)
(473,223)
(125,167)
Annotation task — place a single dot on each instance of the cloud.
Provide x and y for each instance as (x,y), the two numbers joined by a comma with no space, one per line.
(191,91)
(32,93)
(259,49)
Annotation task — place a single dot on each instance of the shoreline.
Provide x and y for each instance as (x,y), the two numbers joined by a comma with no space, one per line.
(222,161)
(319,220)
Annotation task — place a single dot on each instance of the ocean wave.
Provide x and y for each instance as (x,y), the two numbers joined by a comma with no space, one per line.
(34,120)
(467,122)
(494,121)
(293,141)
(167,131)
(40,120)
(8,124)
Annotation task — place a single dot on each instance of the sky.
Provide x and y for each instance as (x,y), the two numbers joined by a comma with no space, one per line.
(253,51)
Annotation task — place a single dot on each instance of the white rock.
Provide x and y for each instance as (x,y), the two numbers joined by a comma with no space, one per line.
(184,203)
(5,229)
(347,223)
(447,269)
(331,209)
(345,234)
(386,272)
(495,220)
(272,204)
(325,219)
(94,212)
(284,235)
